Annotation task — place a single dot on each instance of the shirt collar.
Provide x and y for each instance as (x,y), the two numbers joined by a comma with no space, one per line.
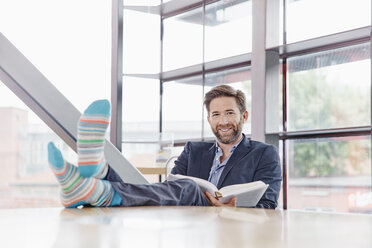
(219,150)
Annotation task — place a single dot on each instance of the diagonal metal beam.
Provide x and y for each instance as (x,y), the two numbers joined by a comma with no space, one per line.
(43,98)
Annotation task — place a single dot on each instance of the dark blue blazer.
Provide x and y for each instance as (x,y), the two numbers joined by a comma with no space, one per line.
(251,161)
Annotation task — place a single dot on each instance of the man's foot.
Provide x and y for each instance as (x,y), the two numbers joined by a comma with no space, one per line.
(77,190)
(92,128)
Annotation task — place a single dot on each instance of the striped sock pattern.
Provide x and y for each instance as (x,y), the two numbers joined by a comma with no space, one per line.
(77,190)
(92,128)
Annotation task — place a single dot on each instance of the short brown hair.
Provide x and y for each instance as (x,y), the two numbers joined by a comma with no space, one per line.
(225,90)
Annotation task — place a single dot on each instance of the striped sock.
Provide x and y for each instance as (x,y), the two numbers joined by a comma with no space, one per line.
(77,190)
(92,128)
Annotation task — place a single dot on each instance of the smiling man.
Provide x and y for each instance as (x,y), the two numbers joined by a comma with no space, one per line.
(233,158)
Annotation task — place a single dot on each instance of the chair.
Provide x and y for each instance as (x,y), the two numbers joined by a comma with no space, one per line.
(169,168)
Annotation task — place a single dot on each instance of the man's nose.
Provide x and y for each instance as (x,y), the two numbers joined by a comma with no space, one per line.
(224,119)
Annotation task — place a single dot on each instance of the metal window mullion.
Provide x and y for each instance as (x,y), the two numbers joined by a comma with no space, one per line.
(161,85)
(117,74)
(258,69)
(284,103)
(285,112)
(203,72)
(370,73)
(324,43)
(212,66)
(284,22)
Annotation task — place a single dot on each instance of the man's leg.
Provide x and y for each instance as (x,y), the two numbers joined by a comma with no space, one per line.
(92,127)
(183,192)
(112,176)
(77,190)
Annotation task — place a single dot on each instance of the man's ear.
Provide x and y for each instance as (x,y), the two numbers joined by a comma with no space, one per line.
(209,121)
(245,116)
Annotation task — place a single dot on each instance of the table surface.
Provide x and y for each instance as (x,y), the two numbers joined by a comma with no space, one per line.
(152,170)
(181,227)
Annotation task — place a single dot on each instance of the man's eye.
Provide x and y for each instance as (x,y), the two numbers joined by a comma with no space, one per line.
(215,115)
(230,113)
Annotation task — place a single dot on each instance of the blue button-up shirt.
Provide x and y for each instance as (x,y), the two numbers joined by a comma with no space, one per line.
(217,167)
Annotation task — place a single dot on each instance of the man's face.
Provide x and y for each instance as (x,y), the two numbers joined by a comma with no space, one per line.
(226,120)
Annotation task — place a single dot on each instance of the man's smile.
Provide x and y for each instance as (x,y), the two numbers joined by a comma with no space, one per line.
(225,130)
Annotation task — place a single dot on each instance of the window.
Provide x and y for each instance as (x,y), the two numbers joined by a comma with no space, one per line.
(317,72)
(141,42)
(182,108)
(74,53)
(330,174)
(181,49)
(26,179)
(211,48)
(239,78)
(140,109)
(330,89)
(228,29)
(327,106)
(141,85)
(308,19)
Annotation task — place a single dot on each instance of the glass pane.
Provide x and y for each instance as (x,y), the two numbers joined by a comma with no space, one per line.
(239,79)
(26,179)
(183,40)
(74,53)
(182,107)
(313,18)
(141,155)
(144,155)
(330,89)
(141,42)
(330,174)
(228,29)
(140,123)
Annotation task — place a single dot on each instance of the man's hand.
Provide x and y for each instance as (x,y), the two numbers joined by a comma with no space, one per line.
(217,203)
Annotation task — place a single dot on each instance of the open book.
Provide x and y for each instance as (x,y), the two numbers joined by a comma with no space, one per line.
(247,194)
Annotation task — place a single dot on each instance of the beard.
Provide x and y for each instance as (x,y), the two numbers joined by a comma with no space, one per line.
(228,139)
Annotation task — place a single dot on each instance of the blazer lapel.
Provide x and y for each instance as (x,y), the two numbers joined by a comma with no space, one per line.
(240,151)
(206,162)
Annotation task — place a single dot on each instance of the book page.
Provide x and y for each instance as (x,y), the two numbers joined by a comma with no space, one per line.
(251,198)
(247,195)
(203,184)
(239,188)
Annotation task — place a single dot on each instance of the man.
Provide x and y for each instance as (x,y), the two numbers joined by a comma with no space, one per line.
(232,159)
